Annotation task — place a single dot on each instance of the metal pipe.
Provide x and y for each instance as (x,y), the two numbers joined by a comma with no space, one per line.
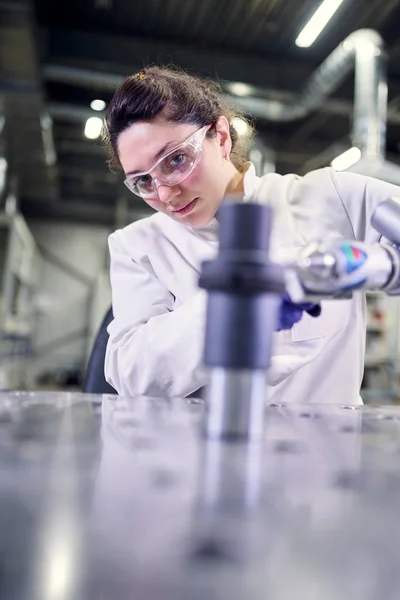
(259,107)
(370,95)
(85,77)
(70,112)
(235,402)
(363,50)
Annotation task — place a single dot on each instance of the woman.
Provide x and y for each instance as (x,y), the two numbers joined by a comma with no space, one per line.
(172,135)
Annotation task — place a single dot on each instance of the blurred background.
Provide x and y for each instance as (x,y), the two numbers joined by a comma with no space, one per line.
(60,63)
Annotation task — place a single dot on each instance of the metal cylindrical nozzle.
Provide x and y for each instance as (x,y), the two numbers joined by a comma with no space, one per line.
(386,220)
(244,290)
(338,268)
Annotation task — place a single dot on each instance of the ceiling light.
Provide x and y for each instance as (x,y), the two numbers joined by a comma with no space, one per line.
(98,105)
(240,89)
(93,128)
(317,23)
(240,125)
(347,159)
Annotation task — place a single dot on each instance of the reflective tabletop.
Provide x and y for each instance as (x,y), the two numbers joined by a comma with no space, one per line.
(104,497)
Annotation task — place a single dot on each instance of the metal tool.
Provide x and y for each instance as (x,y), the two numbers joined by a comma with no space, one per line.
(337,268)
(244,289)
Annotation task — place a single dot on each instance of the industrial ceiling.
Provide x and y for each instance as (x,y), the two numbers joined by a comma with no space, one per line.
(56,57)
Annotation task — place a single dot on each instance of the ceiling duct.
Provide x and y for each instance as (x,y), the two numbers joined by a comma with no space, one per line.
(364,50)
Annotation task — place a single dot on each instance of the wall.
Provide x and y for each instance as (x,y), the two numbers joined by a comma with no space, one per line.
(74,257)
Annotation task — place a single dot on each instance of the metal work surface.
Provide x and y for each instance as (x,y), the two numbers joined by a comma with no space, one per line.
(106,497)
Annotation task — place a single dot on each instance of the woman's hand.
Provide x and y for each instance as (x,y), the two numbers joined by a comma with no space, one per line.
(291,313)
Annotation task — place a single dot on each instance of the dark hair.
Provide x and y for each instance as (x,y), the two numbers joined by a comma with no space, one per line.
(182,98)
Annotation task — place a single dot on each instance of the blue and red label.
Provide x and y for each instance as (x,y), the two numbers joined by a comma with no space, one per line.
(355,257)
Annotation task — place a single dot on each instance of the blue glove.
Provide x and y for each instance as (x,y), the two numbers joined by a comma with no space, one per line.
(291,313)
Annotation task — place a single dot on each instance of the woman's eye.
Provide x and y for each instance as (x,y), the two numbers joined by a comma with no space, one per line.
(177,160)
(142,181)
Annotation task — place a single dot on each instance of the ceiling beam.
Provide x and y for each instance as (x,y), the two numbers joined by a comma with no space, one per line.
(131,54)
(90,78)
(118,56)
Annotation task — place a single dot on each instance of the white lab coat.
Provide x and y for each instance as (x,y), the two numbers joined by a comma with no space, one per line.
(156,339)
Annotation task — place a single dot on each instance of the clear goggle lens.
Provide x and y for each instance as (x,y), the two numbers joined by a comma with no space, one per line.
(171,169)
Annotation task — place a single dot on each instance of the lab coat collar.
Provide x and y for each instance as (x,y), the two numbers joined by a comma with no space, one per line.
(210,231)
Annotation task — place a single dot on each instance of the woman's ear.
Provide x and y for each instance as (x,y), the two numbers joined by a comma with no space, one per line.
(223,136)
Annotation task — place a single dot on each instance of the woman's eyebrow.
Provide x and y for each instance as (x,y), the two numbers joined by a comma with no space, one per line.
(157,156)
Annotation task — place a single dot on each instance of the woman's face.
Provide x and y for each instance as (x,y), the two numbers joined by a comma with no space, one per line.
(195,200)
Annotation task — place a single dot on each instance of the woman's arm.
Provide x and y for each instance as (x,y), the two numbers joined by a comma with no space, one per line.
(153,349)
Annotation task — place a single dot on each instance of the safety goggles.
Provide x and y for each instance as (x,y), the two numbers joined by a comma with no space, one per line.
(171,169)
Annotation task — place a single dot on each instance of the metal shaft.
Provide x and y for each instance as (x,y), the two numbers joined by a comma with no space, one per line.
(244,291)
(235,403)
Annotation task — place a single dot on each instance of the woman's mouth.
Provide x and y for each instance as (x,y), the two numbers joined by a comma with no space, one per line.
(186,209)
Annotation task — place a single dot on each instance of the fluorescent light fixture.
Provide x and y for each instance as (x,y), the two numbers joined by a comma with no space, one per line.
(347,159)
(240,89)
(97,104)
(241,126)
(93,128)
(316,24)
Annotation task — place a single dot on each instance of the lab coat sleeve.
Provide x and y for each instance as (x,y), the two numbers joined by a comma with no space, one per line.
(153,349)
(360,195)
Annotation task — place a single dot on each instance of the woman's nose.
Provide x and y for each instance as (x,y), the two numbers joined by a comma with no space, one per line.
(166,192)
